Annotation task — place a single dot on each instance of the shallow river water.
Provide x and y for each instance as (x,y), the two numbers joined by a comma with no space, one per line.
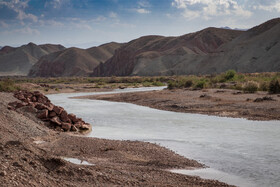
(238,151)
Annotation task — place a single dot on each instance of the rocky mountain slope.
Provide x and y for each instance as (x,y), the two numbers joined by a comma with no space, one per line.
(211,50)
(157,55)
(256,50)
(19,60)
(73,61)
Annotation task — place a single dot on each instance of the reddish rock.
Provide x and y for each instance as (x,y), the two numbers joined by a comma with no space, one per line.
(56,120)
(78,124)
(73,118)
(64,117)
(66,126)
(21,97)
(43,114)
(57,110)
(50,106)
(40,106)
(52,114)
(33,99)
(73,128)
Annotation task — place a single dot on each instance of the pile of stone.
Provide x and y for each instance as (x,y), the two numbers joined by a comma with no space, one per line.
(48,112)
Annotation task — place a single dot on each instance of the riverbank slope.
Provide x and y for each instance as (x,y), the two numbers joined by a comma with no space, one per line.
(31,154)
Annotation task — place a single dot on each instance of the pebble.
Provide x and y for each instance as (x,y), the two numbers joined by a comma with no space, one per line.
(3,173)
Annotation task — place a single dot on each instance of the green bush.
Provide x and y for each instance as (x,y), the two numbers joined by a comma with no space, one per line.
(200,84)
(274,87)
(171,85)
(230,74)
(157,83)
(250,87)
(188,83)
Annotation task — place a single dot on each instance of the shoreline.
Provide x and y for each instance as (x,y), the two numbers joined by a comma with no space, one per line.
(32,154)
(216,102)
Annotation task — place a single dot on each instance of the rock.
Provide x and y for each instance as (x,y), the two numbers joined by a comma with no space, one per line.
(29,109)
(52,114)
(64,117)
(3,173)
(56,120)
(57,110)
(21,97)
(19,105)
(50,106)
(33,99)
(78,124)
(73,128)
(43,114)
(73,118)
(41,106)
(85,126)
(13,104)
(10,108)
(66,126)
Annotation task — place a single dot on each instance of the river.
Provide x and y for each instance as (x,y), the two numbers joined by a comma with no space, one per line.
(238,151)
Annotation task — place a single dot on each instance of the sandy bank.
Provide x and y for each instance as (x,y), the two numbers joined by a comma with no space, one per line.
(227,103)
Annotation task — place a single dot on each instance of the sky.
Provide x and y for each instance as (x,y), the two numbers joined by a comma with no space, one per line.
(87,23)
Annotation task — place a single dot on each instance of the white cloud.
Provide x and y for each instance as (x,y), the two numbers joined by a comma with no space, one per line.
(142,11)
(144,4)
(210,8)
(270,6)
(19,7)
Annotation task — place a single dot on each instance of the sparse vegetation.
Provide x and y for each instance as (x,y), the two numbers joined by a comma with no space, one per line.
(8,85)
(250,82)
(250,87)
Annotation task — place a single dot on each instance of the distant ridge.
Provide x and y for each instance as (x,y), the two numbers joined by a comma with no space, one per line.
(73,61)
(19,60)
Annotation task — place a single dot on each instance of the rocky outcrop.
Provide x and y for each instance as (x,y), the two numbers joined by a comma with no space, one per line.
(42,107)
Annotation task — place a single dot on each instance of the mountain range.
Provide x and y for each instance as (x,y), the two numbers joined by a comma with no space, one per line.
(211,50)
(73,61)
(19,60)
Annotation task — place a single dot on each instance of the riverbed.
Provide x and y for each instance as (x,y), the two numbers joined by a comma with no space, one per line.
(240,151)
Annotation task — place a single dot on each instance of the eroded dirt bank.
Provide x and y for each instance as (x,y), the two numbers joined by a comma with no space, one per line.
(219,102)
(31,155)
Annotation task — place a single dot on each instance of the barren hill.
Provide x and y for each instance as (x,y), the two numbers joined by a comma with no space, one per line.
(155,55)
(73,61)
(19,60)
(211,50)
(257,50)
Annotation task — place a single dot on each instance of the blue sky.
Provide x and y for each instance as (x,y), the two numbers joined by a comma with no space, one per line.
(86,23)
